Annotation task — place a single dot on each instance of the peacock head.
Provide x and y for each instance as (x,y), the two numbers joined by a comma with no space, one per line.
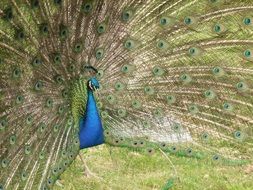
(93,84)
(90,74)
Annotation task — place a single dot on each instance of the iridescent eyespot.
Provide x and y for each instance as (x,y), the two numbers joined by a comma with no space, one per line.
(13,139)
(247,53)
(101,28)
(99,53)
(49,102)
(57,2)
(27,149)
(34,3)
(24,176)
(158,71)
(19,99)
(20,34)
(44,30)
(16,73)
(247,21)
(38,85)
(86,7)
(8,14)
(129,44)
(187,20)
(57,58)
(64,32)
(36,62)
(127,15)
(78,47)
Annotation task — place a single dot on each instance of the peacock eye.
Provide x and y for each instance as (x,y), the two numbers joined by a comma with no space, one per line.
(101,28)
(27,149)
(13,139)
(129,44)
(34,3)
(58,79)
(238,134)
(78,47)
(187,20)
(49,103)
(19,99)
(164,21)
(5,163)
(20,35)
(216,157)
(57,58)
(57,2)
(38,85)
(44,29)
(247,21)
(49,181)
(41,155)
(217,28)
(64,32)
(3,123)
(36,62)
(24,176)
(189,151)
(127,15)
(99,53)
(241,86)
(16,73)
(29,120)
(86,7)
(100,74)
(8,14)
(247,53)
(205,136)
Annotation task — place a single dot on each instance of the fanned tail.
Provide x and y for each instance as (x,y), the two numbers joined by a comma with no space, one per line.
(180,76)
(38,137)
(175,75)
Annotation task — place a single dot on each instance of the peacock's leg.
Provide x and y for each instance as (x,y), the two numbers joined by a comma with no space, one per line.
(249,169)
(87,171)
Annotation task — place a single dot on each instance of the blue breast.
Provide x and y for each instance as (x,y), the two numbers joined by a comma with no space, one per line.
(91,131)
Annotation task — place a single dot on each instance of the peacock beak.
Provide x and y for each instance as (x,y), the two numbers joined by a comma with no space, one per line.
(96,89)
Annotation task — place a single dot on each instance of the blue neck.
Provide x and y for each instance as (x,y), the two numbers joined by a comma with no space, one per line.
(90,125)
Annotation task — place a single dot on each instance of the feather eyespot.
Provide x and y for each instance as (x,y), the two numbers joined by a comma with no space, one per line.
(247,21)
(78,47)
(34,3)
(38,85)
(150,151)
(127,15)
(216,157)
(36,62)
(86,7)
(4,163)
(8,14)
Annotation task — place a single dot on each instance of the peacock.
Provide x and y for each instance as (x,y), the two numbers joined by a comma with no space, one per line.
(173,76)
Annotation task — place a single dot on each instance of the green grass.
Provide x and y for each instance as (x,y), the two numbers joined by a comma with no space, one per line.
(121,169)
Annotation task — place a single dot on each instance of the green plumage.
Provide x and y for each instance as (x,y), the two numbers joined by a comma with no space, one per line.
(175,76)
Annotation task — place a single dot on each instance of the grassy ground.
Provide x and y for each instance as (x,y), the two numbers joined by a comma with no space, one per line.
(121,169)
